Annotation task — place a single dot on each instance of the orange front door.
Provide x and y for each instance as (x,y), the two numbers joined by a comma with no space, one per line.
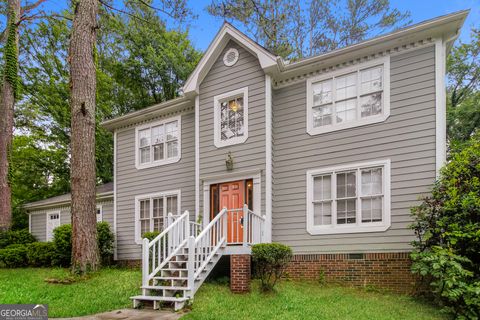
(232,198)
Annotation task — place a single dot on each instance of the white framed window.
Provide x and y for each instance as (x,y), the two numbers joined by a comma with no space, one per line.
(53,221)
(151,211)
(231,118)
(99,212)
(349,199)
(349,97)
(158,143)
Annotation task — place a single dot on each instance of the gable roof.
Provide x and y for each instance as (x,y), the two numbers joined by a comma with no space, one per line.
(267,60)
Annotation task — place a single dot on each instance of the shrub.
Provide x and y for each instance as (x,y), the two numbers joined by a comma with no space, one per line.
(15,237)
(62,243)
(270,260)
(14,256)
(447,226)
(106,241)
(40,254)
(151,235)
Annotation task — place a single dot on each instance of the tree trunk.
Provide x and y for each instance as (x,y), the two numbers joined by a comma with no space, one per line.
(8,95)
(85,256)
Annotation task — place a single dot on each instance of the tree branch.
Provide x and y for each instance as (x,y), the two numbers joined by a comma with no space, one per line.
(30,7)
(121,11)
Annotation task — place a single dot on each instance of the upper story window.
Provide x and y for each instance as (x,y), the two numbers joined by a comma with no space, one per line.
(349,199)
(349,97)
(158,143)
(231,118)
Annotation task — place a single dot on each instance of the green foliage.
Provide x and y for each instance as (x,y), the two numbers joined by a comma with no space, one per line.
(11,53)
(151,235)
(62,242)
(447,226)
(106,240)
(10,237)
(40,254)
(270,260)
(14,256)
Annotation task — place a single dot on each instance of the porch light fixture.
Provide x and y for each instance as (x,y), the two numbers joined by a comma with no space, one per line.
(229,162)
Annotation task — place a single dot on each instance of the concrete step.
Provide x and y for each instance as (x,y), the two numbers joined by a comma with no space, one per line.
(164,288)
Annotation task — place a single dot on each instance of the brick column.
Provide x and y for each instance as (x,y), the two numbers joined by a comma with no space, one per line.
(240,266)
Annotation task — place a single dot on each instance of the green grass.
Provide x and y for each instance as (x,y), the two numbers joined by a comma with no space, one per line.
(106,290)
(306,300)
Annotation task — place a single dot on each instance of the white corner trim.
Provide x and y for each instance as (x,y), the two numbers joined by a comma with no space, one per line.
(358,227)
(268,158)
(385,62)
(197,157)
(47,217)
(29,222)
(440,106)
(219,143)
(115,254)
(152,163)
(178,193)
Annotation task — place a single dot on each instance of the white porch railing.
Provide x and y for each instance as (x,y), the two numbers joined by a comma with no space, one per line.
(159,251)
(245,227)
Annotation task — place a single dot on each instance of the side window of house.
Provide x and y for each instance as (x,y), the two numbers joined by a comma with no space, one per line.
(348,199)
(158,143)
(231,118)
(349,98)
(53,221)
(152,211)
(99,213)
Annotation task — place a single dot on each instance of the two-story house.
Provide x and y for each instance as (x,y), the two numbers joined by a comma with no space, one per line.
(326,155)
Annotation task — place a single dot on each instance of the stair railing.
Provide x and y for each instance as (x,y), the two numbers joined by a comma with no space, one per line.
(202,249)
(253,227)
(159,251)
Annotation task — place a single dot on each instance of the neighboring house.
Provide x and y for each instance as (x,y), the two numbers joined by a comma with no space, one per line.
(326,155)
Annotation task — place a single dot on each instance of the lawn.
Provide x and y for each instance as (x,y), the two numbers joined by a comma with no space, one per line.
(109,289)
(294,300)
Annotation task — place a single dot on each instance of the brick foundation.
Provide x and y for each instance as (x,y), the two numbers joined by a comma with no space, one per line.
(389,271)
(240,273)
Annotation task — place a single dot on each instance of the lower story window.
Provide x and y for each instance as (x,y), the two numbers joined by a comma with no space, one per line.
(348,199)
(152,211)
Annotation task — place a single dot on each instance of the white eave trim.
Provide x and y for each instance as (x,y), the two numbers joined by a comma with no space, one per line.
(226,33)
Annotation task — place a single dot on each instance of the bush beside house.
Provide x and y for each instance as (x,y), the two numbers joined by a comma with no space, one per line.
(270,261)
(447,226)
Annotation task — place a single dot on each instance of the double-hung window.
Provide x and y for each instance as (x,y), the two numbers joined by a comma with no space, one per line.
(152,212)
(231,118)
(158,143)
(349,199)
(348,98)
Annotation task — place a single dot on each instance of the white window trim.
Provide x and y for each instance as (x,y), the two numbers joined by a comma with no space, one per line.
(385,62)
(138,238)
(152,163)
(47,216)
(99,206)
(344,228)
(219,143)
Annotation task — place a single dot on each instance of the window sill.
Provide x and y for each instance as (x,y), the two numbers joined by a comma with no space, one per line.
(220,144)
(331,128)
(157,163)
(319,230)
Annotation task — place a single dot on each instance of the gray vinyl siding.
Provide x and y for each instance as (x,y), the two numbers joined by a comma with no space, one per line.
(132,182)
(407,137)
(222,79)
(39,217)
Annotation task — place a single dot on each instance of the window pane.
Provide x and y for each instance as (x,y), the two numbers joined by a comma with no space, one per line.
(372,181)
(322,213)
(346,211)
(171,130)
(322,92)
(322,116)
(172,205)
(372,209)
(144,226)
(371,80)
(346,87)
(145,155)
(157,207)
(232,118)
(172,149)
(346,184)
(158,152)
(158,134)
(322,186)
(144,137)
(371,105)
(144,209)
(346,110)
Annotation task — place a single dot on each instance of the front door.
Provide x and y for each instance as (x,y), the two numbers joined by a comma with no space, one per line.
(232,197)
